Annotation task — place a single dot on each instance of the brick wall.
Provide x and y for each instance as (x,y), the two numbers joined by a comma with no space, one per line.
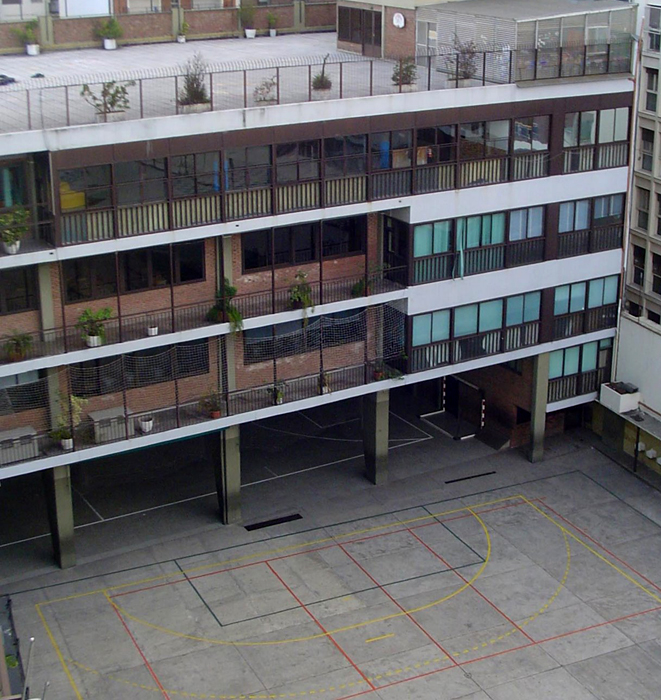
(152,25)
(399,43)
(8,42)
(78,31)
(284,13)
(209,22)
(25,322)
(320,15)
(35,417)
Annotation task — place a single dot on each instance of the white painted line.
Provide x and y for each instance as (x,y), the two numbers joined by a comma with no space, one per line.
(89,505)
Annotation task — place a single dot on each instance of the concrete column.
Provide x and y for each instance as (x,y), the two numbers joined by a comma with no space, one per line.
(376,409)
(57,484)
(540,390)
(227,468)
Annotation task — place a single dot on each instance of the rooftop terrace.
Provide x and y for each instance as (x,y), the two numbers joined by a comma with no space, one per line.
(258,73)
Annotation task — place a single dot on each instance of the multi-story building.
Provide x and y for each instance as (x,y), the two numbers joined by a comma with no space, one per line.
(465,234)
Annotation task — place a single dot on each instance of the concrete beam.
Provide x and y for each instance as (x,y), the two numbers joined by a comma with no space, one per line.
(227,468)
(57,484)
(376,415)
(540,391)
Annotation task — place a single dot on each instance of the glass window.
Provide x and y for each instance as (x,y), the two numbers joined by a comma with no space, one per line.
(526,223)
(18,290)
(89,278)
(561,303)
(440,325)
(514,313)
(491,315)
(577,297)
(256,249)
(189,261)
(465,320)
(613,125)
(12,185)
(85,188)
(344,236)
(571,360)
(608,209)
(532,306)
(589,357)
(422,240)
(555,363)
(247,168)
(574,216)
(422,329)
(531,134)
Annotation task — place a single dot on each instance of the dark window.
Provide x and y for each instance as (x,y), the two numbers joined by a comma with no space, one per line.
(188,262)
(345,155)
(531,134)
(609,210)
(18,290)
(343,236)
(484,139)
(436,145)
(391,149)
(247,168)
(656,273)
(647,150)
(522,416)
(652,89)
(638,265)
(12,185)
(580,129)
(256,249)
(194,175)
(85,188)
(653,317)
(349,27)
(89,278)
(634,309)
(141,181)
(297,161)
(150,268)
(643,208)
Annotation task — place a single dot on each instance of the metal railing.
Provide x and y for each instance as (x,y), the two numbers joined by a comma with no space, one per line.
(579,384)
(586,321)
(590,240)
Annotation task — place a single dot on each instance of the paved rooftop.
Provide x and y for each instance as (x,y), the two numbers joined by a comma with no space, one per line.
(531,9)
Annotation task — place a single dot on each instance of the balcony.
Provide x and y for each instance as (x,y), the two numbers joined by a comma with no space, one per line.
(579,384)
(587,321)
(605,155)
(590,241)
(126,327)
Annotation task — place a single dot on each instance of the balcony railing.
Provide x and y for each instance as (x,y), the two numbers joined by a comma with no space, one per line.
(476,260)
(587,321)
(190,316)
(605,155)
(450,352)
(153,94)
(573,385)
(590,241)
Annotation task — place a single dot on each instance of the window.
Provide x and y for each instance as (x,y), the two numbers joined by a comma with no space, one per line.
(643,198)
(580,129)
(247,168)
(526,223)
(142,368)
(647,150)
(22,392)
(654,317)
(524,308)
(432,239)
(344,236)
(297,161)
(634,309)
(188,262)
(256,249)
(12,185)
(478,318)
(477,231)
(569,299)
(436,145)
(603,291)
(195,175)
(613,125)
(431,328)
(484,139)
(349,25)
(531,134)
(515,366)
(345,155)
(638,265)
(656,273)
(608,210)
(85,188)
(652,89)
(141,181)
(574,216)
(18,290)
(391,149)
(295,244)
(89,278)
(150,268)
(580,358)
(654,29)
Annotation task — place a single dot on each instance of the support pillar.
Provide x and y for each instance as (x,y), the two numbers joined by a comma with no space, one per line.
(376,409)
(57,484)
(227,468)
(540,391)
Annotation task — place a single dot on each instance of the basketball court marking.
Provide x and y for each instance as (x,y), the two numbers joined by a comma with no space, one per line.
(541,509)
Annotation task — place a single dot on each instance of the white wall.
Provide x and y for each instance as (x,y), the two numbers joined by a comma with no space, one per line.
(85,8)
(638,358)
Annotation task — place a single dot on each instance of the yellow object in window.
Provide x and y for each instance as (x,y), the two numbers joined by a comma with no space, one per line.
(70,199)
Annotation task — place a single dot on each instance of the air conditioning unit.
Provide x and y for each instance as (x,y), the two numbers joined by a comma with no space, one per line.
(619,397)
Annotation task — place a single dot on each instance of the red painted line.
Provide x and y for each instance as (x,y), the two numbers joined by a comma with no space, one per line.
(409,615)
(321,627)
(601,546)
(457,573)
(144,658)
(315,549)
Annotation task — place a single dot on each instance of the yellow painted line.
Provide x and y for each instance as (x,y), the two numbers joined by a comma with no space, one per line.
(378,639)
(281,550)
(58,652)
(593,551)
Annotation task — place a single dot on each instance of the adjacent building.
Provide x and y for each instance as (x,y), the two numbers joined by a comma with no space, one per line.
(180,274)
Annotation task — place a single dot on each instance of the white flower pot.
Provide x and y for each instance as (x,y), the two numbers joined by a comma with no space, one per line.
(11,248)
(32,49)
(325,390)
(411,87)
(108,117)
(66,444)
(181,39)
(279,400)
(146,426)
(273,32)
(93,341)
(250,33)
(195,108)
(321,94)
(110,44)
(152,330)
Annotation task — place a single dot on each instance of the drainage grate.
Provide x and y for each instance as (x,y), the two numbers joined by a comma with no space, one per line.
(466,478)
(275,521)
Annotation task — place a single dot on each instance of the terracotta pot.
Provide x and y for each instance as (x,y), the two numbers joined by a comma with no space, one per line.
(215,415)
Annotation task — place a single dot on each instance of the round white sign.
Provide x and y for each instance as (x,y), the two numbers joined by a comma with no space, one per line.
(398,20)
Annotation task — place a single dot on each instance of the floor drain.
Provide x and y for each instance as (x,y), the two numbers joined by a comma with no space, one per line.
(274,521)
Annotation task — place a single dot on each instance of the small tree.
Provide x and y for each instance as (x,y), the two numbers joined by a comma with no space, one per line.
(69,416)
(247,14)
(405,72)
(27,34)
(271,19)
(110,29)
(194,91)
(14,225)
(321,81)
(114,97)
(466,58)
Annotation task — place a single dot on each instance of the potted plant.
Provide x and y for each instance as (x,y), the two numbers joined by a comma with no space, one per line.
(68,419)
(146,423)
(271,20)
(267,91)
(183,32)
(91,324)
(17,346)
(321,83)
(194,96)
(278,392)
(247,16)
(111,104)
(152,327)
(212,403)
(464,65)
(300,294)
(361,288)
(324,383)
(110,31)
(379,372)
(224,311)
(405,74)
(27,35)
(14,225)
